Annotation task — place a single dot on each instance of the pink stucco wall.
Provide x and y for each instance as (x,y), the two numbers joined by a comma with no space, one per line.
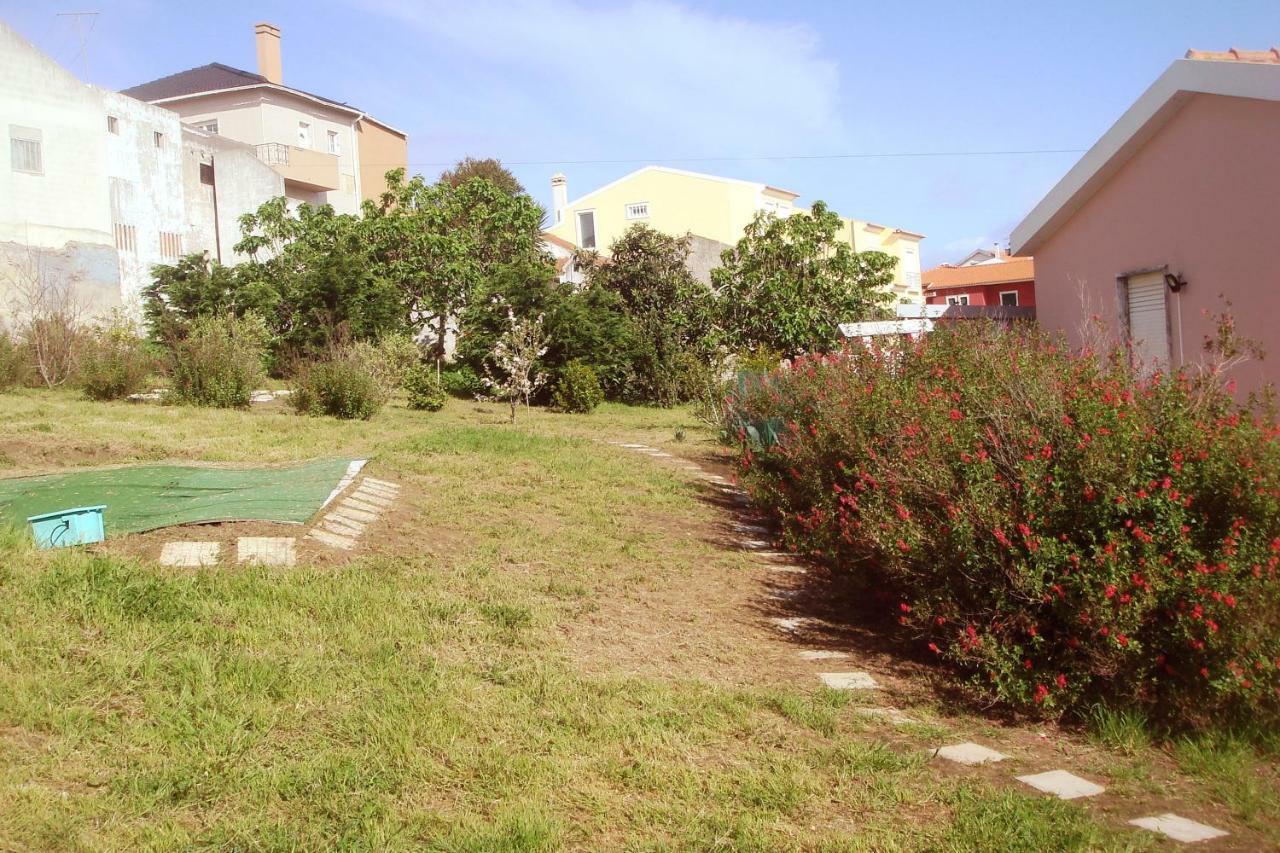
(1203,197)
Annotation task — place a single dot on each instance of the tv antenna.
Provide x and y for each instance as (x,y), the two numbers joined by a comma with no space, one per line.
(83,23)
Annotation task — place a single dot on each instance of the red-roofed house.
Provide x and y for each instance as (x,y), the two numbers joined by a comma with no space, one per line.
(998,280)
(1171,210)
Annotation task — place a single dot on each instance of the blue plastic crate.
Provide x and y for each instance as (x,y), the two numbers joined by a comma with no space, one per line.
(79,526)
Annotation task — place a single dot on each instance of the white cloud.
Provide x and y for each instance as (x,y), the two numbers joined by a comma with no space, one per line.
(648,78)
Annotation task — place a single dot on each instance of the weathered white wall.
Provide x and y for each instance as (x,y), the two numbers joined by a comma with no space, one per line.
(144,182)
(242,184)
(56,223)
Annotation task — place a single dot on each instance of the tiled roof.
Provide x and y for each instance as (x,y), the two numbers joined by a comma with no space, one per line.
(1271,56)
(210,78)
(559,241)
(1011,270)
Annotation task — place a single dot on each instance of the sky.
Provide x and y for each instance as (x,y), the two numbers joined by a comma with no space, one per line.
(922,115)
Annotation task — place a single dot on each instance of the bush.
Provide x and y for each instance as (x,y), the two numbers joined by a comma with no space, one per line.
(219,361)
(14,366)
(578,389)
(390,358)
(425,391)
(116,362)
(343,386)
(463,382)
(1059,526)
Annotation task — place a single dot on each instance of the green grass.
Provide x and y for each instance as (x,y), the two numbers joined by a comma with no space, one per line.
(426,699)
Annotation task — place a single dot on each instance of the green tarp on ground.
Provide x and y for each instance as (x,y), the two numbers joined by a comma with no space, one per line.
(144,497)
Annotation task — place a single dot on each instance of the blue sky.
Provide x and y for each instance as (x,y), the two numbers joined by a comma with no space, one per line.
(729,88)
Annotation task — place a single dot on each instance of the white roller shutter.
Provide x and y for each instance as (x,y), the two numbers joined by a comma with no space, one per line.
(1149,320)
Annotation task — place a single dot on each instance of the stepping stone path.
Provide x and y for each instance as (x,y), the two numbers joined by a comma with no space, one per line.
(969,754)
(267,550)
(849,681)
(190,554)
(1179,828)
(1063,785)
(347,519)
(1060,783)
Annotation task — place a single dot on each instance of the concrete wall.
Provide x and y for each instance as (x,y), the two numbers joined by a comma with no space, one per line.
(54,225)
(381,150)
(242,184)
(144,183)
(1200,198)
(259,116)
(987,294)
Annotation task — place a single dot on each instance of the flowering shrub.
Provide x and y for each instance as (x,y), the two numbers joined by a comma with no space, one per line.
(1060,526)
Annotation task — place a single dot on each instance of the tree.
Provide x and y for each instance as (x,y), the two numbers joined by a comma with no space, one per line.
(669,310)
(437,242)
(585,324)
(789,282)
(322,268)
(516,355)
(487,168)
(194,287)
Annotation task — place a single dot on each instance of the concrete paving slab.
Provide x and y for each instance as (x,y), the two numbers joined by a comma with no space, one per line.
(267,550)
(338,528)
(385,484)
(790,624)
(969,754)
(346,510)
(333,540)
(364,506)
(189,554)
(1063,785)
(379,490)
(374,498)
(849,680)
(893,715)
(822,654)
(355,527)
(1179,828)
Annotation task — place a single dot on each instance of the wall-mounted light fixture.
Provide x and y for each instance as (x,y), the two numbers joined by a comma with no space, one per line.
(1174,282)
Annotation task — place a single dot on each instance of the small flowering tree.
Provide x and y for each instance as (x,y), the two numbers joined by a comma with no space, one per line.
(1063,527)
(516,356)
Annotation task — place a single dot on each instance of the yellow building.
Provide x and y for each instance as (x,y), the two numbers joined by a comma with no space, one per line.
(715,211)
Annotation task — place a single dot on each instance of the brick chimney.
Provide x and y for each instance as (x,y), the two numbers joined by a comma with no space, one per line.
(268,39)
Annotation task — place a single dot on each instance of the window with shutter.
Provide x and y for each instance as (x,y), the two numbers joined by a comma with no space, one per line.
(1148,320)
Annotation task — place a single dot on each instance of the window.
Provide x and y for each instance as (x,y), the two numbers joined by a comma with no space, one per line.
(335,146)
(638,210)
(1009,297)
(25,150)
(113,125)
(208,126)
(170,245)
(304,134)
(158,137)
(587,229)
(1148,320)
(126,237)
(962,299)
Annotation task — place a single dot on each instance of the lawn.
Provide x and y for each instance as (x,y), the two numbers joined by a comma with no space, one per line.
(542,649)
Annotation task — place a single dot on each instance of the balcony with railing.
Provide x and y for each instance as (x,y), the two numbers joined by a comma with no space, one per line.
(312,170)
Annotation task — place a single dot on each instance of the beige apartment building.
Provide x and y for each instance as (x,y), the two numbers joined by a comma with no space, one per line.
(327,152)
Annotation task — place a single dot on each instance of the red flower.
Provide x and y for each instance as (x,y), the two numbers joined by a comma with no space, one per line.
(933,647)
(1110,591)
(1041,693)
(1061,681)
(904,607)
(955,415)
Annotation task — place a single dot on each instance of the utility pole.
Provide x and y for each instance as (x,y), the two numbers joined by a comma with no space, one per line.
(78,22)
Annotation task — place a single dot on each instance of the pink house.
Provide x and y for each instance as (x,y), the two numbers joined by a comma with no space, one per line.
(1174,210)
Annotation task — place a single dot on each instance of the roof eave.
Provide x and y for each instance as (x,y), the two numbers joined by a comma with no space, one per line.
(1153,109)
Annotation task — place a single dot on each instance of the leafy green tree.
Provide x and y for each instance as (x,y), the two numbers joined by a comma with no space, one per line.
(437,242)
(670,311)
(194,287)
(584,324)
(321,266)
(791,281)
(487,168)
